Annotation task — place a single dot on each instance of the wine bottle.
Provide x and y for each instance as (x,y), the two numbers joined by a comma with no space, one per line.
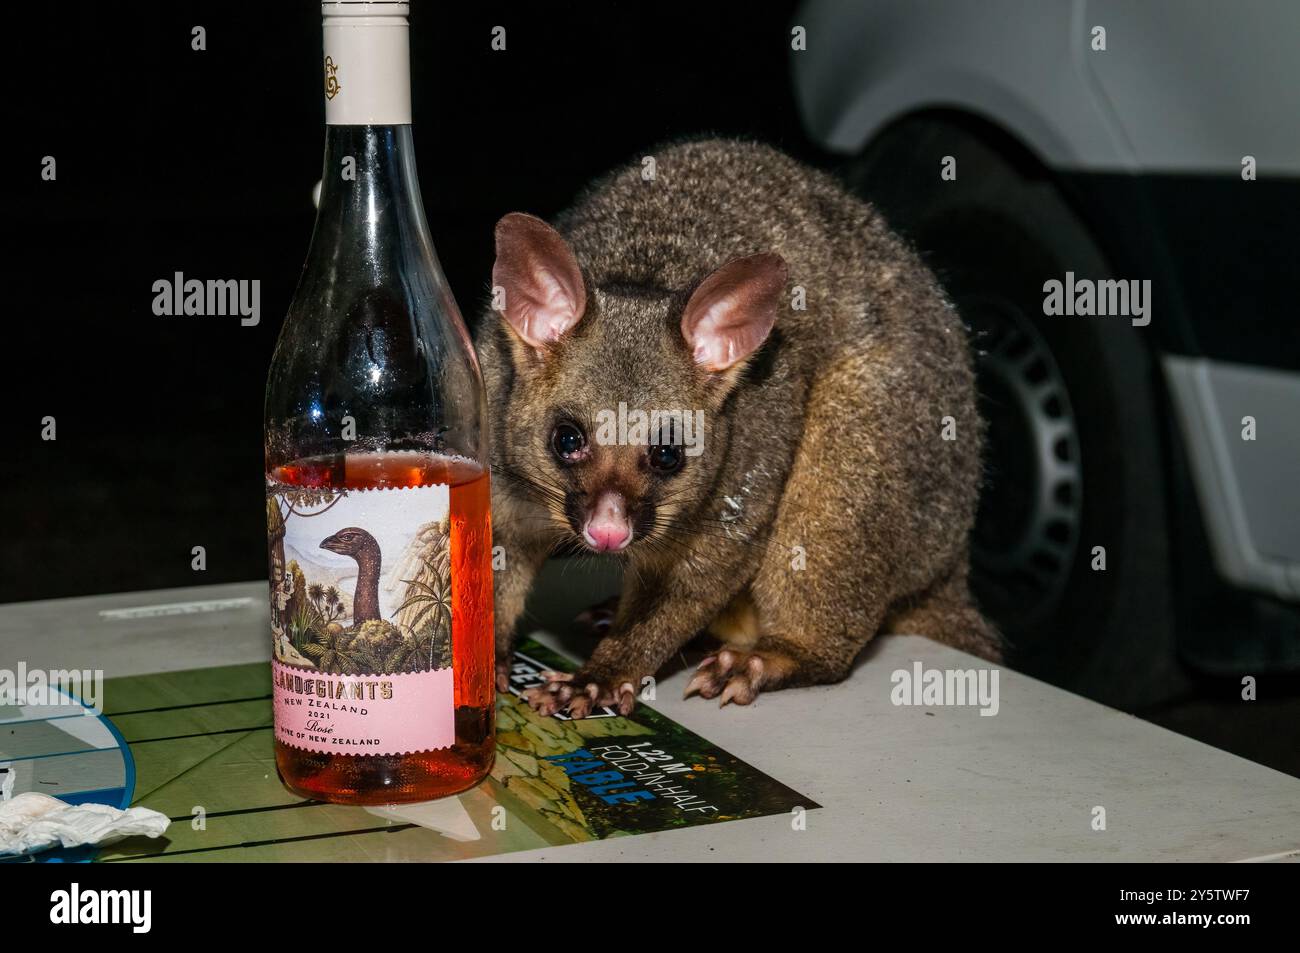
(377,482)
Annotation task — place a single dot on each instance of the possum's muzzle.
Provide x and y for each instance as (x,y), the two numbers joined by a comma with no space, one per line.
(607,523)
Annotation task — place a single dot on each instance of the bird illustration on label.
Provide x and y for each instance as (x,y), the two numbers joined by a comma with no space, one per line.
(338,606)
(361,546)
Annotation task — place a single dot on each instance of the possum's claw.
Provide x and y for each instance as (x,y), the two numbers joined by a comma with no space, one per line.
(543,701)
(736,676)
(580,695)
(580,707)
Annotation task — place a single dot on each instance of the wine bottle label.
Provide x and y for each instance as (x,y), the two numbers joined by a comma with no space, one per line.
(361,603)
(367,64)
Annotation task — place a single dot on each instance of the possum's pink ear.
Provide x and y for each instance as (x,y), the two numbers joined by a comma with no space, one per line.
(539,277)
(732,312)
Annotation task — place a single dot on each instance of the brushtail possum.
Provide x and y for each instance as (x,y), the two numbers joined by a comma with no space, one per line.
(830,484)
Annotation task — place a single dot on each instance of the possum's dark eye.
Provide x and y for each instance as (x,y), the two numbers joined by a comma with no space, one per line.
(568,442)
(666,458)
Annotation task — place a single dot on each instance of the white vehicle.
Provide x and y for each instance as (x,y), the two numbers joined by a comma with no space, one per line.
(1093,140)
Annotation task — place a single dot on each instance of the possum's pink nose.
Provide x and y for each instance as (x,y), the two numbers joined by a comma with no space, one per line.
(608,529)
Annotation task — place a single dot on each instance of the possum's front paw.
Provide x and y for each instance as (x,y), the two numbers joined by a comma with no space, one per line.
(580,693)
(737,676)
(503,669)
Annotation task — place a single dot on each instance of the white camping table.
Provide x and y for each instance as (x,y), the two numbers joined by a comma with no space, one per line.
(896,783)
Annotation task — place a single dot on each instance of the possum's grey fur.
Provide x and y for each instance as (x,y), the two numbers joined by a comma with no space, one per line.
(827,506)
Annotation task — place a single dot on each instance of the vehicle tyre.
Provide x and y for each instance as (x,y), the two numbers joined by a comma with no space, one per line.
(1073,455)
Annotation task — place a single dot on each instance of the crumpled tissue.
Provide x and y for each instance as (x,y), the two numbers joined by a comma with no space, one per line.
(31,822)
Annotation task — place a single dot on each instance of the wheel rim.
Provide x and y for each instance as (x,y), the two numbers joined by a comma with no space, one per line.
(1027,530)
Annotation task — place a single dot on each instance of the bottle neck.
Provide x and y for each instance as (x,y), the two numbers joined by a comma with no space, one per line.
(370,213)
(370,209)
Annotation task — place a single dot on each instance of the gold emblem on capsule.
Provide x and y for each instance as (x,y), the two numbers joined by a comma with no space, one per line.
(332,86)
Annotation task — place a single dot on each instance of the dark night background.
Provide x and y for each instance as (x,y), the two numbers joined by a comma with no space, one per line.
(203,162)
